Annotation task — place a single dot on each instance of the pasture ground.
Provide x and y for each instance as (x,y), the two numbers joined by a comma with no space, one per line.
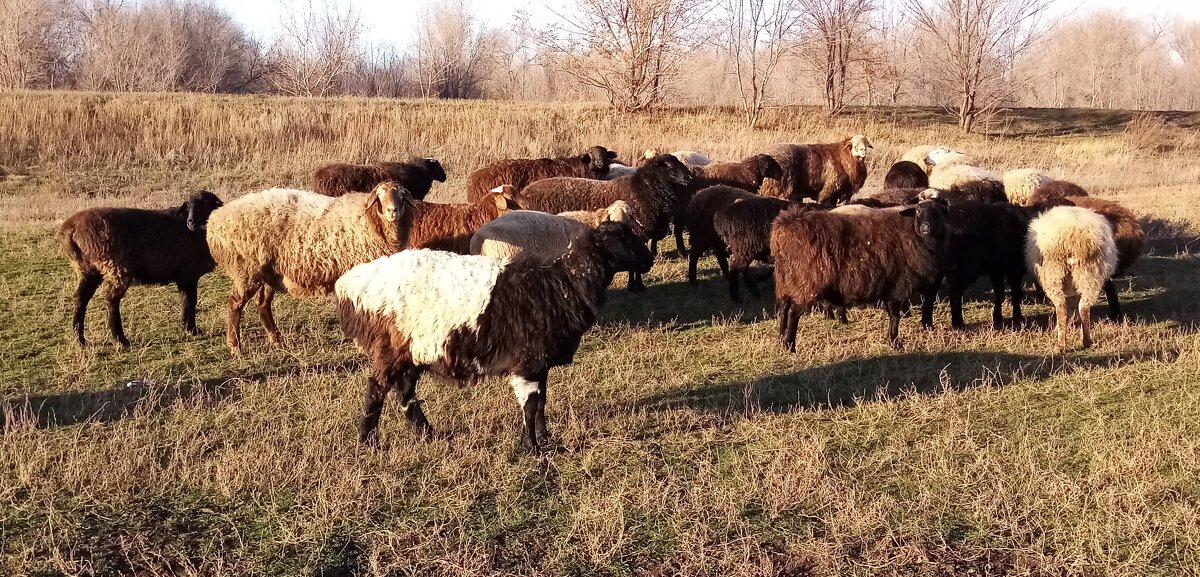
(687,442)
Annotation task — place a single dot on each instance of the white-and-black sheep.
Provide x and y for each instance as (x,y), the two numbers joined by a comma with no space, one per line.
(467,317)
(122,247)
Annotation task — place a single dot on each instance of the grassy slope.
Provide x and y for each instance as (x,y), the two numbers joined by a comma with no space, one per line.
(687,442)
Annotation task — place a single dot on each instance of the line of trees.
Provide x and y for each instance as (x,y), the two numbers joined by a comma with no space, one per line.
(971,56)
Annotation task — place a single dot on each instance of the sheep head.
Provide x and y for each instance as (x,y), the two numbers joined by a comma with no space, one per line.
(675,171)
(765,166)
(433,168)
(506,198)
(623,250)
(391,200)
(859,145)
(929,219)
(598,158)
(618,211)
(197,208)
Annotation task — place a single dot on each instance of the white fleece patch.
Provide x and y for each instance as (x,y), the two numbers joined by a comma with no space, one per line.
(428,294)
(522,388)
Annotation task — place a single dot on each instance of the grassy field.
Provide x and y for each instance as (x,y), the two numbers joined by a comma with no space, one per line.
(688,444)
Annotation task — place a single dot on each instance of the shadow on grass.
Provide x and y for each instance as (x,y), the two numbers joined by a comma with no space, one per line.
(1169,237)
(847,383)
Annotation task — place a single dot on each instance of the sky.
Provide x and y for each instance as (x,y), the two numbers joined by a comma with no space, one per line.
(392,22)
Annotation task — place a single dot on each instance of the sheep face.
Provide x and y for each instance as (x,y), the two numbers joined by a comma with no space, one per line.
(619,211)
(625,251)
(197,208)
(767,167)
(391,200)
(929,218)
(676,171)
(859,145)
(506,197)
(598,159)
(434,169)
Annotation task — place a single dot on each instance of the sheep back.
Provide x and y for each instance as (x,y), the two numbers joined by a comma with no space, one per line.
(520,173)
(1072,251)
(1020,184)
(537,234)
(416,176)
(1127,231)
(135,245)
(905,174)
(449,227)
(703,208)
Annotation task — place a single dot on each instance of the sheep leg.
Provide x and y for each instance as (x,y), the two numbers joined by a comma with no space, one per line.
(187,290)
(265,297)
(1114,304)
(115,291)
(238,297)
(721,260)
(406,389)
(368,424)
(1060,324)
(1085,322)
(654,246)
(956,304)
(89,281)
(787,330)
(1016,296)
(893,310)
(635,284)
(679,226)
(693,260)
(528,392)
(928,299)
(997,301)
(539,425)
(841,314)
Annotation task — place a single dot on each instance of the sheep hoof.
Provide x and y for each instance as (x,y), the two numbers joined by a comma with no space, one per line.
(195,332)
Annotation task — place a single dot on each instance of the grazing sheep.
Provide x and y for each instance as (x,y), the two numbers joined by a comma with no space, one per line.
(450,227)
(982,239)
(919,155)
(1128,235)
(617,170)
(747,174)
(416,176)
(888,197)
(858,256)
(688,157)
(300,242)
(1056,189)
(1072,252)
(828,173)
(905,174)
(467,317)
(744,231)
(121,247)
(522,171)
(653,193)
(541,235)
(1020,184)
(700,212)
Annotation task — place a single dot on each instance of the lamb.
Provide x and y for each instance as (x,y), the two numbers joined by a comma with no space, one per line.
(1020,184)
(1056,189)
(653,193)
(467,317)
(746,174)
(1129,238)
(449,227)
(416,176)
(905,174)
(541,235)
(854,257)
(1072,252)
(688,157)
(121,247)
(828,173)
(519,173)
(982,239)
(300,242)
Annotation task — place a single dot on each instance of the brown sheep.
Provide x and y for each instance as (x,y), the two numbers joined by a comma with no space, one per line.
(449,227)
(700,212)
(1055,189)
(746,174)
(744,229)
(828,173)
(416,176)
(521,172)
(121,247)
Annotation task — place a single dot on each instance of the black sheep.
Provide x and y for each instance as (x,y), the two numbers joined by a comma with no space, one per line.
(906,174)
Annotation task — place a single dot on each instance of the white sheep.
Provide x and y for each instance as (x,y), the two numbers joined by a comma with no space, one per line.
(943,178)
(617,170)
(688,157)
(919,155)
(1021,183)
(1072,251)
(545,236)
(300,242)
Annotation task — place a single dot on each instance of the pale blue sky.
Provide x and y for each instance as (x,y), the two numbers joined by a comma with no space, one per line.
(392,21)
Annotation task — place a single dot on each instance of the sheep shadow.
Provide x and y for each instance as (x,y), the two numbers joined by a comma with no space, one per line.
(1169,237)
(110,405)
(682,305)
(850,382)
(1176,289)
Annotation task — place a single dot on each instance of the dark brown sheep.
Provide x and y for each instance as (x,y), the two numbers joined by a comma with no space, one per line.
(746,174)
(888,197)
(906,174)
(744,230)
(828,173)
(122,247)
(521,172)
(450,227)
(652,192)
(1129,236)
(854,256)
(1055,189)
(416,176)
(699,220)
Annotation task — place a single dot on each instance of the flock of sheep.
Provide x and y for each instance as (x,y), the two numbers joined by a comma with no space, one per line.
(508,283)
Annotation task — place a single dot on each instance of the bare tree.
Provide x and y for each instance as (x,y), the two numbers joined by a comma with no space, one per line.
(1185,41)
(833,26)
(455,54)
(34,41)
(318,49)
(758,33)
(975,43)
(631,50)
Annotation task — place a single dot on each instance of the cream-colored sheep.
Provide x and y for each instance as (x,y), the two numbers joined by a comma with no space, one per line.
(300,242)
(919,155)
(1072,252)
(617,170)
(1021,183)
(546,236)
(944,177)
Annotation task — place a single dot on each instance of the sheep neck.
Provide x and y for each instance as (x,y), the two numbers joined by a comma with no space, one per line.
(588,272)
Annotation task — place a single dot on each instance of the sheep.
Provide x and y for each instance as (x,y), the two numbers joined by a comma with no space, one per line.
(1020,184)
(416,176)
(653,193)
(888,197)
(617,170)
(905,174)
(467,317)
(828,173)
(541,235)
(744,232)
(746,174)
(520,172)
(700,212)
(688,157)
(1072,252)
(855,256)
(449,227)
(1055,189)
(982,239)
(1128,235)
(300,242)
(919,155)
(943,157)
(121,247)
(975,190)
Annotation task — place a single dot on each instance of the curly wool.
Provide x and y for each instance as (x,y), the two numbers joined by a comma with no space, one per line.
(944,178)
(1072,252)
(1020,184)
(828,173)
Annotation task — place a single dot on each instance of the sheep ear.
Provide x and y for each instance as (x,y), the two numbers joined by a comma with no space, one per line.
(183,211)
(611,155)
(374,201)
(912,211)
(501,200)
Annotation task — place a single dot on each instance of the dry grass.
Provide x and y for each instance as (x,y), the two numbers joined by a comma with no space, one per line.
(688,444)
